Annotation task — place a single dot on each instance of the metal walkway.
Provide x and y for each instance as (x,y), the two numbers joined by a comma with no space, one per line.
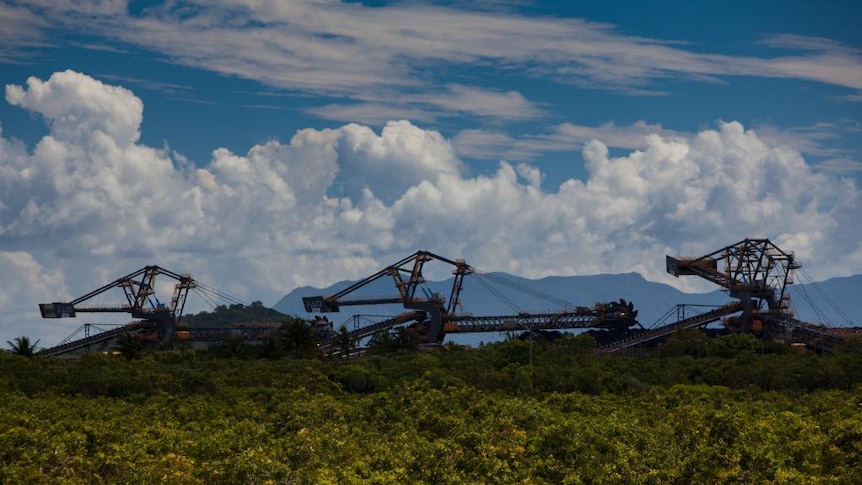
(101,340)
(690,322)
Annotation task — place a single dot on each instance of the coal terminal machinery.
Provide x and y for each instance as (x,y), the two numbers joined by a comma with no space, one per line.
(758,275)
(156,320)
(432,316)
(755,274)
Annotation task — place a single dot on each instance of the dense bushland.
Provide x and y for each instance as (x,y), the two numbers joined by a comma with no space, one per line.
(728,410)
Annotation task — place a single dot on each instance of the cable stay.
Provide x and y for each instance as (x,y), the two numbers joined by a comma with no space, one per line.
(527,290)
(829,301)
(801,291)
(662,320)
(207,298)
(213,296)
(494,291)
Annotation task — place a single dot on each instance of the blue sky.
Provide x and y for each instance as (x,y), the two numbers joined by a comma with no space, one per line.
(264,145)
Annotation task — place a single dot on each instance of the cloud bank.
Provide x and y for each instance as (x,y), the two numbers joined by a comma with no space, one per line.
(90,203)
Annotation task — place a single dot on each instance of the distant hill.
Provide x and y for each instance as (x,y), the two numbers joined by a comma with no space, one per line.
(233,315)
(652,300)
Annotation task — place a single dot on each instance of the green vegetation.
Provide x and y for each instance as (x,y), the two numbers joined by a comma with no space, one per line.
(728,410)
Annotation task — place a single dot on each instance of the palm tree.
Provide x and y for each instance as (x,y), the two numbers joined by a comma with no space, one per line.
(382,342)
(344,342)
(22,346)
(298,338)
(128,345)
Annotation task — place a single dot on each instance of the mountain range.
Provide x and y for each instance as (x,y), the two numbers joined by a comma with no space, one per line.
(831,301)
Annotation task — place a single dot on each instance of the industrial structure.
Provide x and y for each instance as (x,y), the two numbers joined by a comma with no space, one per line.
(755,273)
(155,318)
(758,274)
(433,316)
(429,309)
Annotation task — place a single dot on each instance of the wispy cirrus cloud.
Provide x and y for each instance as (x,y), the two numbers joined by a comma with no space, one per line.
(840,166)
(815,140)
(151,84)
(456,98)
(20,30)
(348,49)
(372,113)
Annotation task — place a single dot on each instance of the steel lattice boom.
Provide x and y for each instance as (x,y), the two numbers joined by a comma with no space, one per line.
(752,269)
(758,273)
(140,300)
(407,275)
(434,316)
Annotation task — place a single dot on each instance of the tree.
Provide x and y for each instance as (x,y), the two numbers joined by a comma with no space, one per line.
(401,338)
(344,342)
(22,346)
(298,338)
(731,345)
(382,342)
(129,345)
